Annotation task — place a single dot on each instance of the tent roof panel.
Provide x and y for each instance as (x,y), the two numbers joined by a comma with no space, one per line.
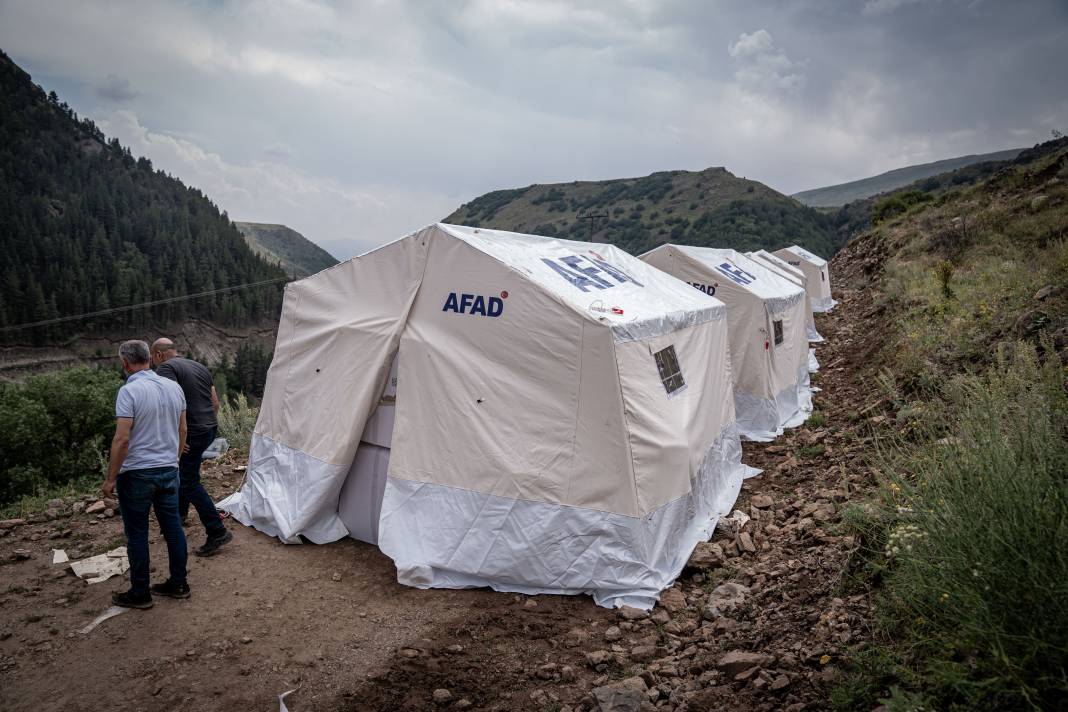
(806,255)
(600,281)
(742,270)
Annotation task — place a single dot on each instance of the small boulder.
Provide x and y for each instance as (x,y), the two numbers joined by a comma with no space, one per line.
(726,600)
(761,501)
(672,600)
(643,653)
(96,507)
(613,633)
(628,613)
(738,661)
(706,555)
(1045,293)
(623,696)
(442,696)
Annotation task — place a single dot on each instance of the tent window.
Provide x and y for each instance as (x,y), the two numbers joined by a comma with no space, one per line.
(667,362)
(778,331)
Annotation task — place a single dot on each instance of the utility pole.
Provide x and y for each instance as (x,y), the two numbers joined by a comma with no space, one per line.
(591,218)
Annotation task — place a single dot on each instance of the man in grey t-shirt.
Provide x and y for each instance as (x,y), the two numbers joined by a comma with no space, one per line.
(150,431)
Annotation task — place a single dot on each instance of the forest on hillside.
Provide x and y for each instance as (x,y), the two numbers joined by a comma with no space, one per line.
(86,226)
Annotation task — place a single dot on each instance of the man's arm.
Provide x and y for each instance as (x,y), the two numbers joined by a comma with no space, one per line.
(181,434)
(120,445)
(214,400)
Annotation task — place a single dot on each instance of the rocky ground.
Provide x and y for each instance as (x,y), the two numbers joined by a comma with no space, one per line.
(758,621)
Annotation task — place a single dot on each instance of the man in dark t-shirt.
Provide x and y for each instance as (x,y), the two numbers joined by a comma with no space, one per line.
(202,405)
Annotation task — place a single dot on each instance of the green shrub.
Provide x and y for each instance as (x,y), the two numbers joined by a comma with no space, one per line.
(975,563)
(236,421)
(55,429)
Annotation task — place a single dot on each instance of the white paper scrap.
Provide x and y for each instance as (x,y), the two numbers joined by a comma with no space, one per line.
(109,613)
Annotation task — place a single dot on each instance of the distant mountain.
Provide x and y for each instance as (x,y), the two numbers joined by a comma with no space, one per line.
(293,252)
(835,195)
(706,208)
(86,226)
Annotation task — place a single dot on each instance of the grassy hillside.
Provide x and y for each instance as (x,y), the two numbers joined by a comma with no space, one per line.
(708,208)
(286,247)
(858,216)
(835,195)
(961,547)
(86,226)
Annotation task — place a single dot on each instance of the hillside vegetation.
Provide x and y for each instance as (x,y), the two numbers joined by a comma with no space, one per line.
(295,254)
(711,208)
(85,226)
(835,195)
(964,542)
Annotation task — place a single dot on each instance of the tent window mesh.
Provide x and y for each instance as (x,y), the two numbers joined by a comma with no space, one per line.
(777,325)
(670,372)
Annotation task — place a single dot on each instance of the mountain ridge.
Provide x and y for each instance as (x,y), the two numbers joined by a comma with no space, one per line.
(712,207)
(833,196)
(283,245)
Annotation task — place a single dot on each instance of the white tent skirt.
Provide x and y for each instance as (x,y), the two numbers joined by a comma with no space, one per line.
(446,537)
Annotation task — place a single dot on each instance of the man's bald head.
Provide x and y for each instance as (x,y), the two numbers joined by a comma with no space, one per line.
(163,350)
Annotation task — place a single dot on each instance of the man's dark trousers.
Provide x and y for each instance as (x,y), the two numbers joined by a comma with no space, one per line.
(192,492)
(140,491)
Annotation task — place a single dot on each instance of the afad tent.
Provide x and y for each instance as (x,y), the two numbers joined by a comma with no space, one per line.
(795,275)
(766,324)
(564,422)
(815,270)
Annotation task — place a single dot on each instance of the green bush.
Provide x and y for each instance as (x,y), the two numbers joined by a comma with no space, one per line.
(975,566)
(55,429)
(236,421)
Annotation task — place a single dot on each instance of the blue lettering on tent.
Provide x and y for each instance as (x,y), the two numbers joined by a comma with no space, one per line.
(585,273)
(616,272)
(576,279)
(474,304)
(736,274)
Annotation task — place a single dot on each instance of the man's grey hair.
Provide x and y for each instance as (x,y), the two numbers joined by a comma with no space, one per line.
(134,351)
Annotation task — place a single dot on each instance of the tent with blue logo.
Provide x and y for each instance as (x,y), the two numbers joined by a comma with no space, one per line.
(795,275)
(561,418)
(817,275)
(768,339)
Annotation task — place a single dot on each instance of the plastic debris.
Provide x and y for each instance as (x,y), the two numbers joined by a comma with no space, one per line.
(217,449)
(102,566)
(109,613)
(59,556)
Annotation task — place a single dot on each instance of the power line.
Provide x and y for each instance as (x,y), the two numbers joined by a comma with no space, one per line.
(131,307)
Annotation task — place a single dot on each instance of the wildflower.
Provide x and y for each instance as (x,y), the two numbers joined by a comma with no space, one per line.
(944,597)
(824,659)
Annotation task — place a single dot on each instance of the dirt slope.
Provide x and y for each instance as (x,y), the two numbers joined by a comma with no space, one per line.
(266,618)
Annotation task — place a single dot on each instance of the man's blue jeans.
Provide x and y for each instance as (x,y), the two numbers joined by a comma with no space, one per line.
(192,492)
(142,490)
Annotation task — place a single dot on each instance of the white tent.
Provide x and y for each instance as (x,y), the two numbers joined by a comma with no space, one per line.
(768,340)
(816,271)
(563,414)
(795,275)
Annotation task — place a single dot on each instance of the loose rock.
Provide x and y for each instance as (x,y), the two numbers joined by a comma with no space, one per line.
(442,696)
(726,600)
(623,696)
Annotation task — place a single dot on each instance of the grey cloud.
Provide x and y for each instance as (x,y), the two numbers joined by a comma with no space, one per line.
(359,122)
(115,89)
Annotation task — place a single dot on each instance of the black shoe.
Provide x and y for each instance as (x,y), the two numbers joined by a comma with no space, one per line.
(214,543)
(128,600)
(171,590)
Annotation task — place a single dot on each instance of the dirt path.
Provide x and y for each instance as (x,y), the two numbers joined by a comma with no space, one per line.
(333,622)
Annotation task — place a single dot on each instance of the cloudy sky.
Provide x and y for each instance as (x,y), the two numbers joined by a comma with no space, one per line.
(357,122)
